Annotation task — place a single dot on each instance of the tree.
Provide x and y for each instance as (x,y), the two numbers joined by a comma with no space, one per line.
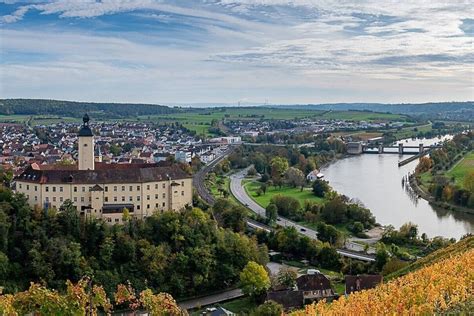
(115,150)
(295,177)
(381,256)
(328,233)
(469,182)
(287,277)
(279,166)
(335,211)
(271,212)
(254,280)
(263,187)
(269,308)
(287,205)
(424,165)
(321,187)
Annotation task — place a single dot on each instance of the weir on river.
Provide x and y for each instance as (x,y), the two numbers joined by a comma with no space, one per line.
(375,180)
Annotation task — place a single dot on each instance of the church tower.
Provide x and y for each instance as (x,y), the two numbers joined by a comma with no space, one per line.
(86,146)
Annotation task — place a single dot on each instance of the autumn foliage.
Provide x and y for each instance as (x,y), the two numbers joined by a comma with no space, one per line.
(430,290)
(84,298)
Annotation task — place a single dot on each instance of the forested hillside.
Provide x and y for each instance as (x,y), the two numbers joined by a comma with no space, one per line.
(77,109)
(182,253)
(407,108)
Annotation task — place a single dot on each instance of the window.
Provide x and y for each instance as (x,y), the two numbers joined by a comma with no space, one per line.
(106,188)
(20,187)
(27,186)
(182,193)
(123,188)
(164,195)
(54,199)
(109,220)
(90,198)
(148,198)
(82,199)
(36,188)
(60,189)
(115,199)
(123,198)
(47,199)
(138,188)
(156,186)
(106,199)
(164,204)
(46,188)
(156,205)
(148,187)
(138,197)
(130,188)
(116,220)
(164,186)
(115,188)
(75,199)
(182,183)
(36,198)
(54,189)
(61,199)
(156,196)
(138,207)
(130,198)
(75,189)
(148,206)
(83,189)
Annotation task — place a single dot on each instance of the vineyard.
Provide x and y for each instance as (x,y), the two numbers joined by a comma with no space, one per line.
(444,286)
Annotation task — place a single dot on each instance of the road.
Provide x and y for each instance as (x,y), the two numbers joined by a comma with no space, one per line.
(211,299)
(240,194)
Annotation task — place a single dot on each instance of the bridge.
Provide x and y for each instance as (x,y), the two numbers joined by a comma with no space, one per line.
(401,149)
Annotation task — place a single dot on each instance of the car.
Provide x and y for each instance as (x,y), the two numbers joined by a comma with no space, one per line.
(303,229)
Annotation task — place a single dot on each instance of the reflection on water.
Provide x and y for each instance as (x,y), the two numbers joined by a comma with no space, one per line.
(382,186)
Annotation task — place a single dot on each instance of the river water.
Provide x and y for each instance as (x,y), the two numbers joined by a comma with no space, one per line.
(376,180)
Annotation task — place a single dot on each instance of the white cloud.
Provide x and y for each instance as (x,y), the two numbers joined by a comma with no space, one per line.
(297,51)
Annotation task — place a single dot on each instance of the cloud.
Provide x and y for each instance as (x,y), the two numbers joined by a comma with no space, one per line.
(151,50)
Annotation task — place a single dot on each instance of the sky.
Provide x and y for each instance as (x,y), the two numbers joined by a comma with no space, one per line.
(247,51)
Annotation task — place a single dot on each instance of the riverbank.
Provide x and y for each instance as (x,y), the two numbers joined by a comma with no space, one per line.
(415,185)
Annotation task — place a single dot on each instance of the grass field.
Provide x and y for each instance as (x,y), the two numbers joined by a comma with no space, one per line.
(263,200)
(362,116)
(461,169)
(408,132)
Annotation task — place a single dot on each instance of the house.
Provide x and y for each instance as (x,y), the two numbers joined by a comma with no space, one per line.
(288,299)
(314,175)
(315,287)
(309,288)
(356,283)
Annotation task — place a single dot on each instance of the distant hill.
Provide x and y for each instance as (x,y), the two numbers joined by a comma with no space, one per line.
(410,108)
(77,109)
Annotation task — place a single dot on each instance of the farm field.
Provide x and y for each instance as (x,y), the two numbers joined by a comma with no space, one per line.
(461,169)
(362,116)
(263,200)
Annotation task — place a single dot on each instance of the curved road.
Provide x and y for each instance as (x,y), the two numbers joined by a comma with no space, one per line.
(240,194)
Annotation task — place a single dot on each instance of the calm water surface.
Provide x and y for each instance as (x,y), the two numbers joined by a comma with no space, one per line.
(376,180)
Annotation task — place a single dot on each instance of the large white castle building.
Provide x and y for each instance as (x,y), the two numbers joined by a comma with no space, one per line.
(104,190)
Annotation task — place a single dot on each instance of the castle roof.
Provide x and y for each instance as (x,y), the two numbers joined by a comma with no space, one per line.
(103,173)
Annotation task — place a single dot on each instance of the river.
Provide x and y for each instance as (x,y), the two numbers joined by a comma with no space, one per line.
(376,180)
